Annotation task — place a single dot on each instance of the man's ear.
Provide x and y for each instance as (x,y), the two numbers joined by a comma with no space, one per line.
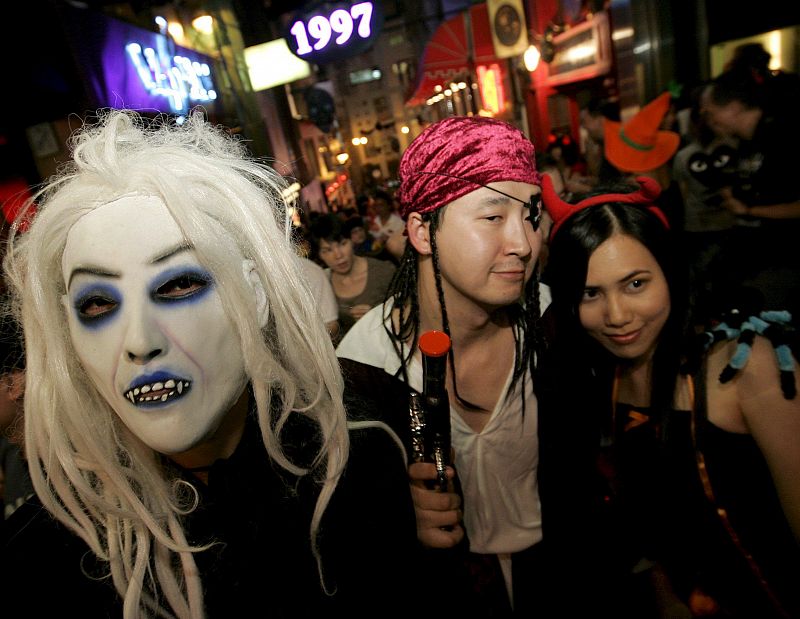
(262,306)
(419,234)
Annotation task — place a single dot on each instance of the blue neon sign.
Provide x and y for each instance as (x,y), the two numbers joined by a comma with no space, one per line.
(125,66)
(182,81)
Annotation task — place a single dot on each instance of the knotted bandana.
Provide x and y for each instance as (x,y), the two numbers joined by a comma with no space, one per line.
(471,151)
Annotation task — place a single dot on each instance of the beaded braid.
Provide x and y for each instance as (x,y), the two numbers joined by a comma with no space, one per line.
(532,329)
(526,318)
(437,276)
(402,291)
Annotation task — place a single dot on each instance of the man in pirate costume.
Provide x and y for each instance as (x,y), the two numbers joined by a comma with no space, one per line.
(469,195)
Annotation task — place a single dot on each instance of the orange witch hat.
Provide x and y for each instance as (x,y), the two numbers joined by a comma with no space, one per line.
(639,145)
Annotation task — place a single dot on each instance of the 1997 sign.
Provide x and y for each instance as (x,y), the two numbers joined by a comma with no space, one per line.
(321,36)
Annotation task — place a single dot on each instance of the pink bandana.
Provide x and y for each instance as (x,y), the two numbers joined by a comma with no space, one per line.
(469,151)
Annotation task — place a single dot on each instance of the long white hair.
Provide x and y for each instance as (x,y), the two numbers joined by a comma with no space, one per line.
(89,471)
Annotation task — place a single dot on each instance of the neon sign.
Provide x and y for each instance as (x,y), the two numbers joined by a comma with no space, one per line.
(125,66)
(334,31)
(491,85)
(179,79)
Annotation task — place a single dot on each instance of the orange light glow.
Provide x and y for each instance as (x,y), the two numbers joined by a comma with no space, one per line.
(491,85)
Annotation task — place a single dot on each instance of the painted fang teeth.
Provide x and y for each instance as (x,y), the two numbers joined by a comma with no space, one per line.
(174,386)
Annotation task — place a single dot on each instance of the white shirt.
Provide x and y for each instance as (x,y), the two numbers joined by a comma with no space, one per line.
(394,224)
(321,289)
(497,466)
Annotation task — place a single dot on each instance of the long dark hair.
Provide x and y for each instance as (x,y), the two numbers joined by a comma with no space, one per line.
(567,265)
(403,294)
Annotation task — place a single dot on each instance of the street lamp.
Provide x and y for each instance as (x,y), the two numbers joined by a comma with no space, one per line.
(203,24)
(531,58)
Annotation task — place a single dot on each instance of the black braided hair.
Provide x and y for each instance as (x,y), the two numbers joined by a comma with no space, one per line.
(402,294)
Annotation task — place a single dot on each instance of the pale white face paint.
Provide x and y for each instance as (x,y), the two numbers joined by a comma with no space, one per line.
(148,325)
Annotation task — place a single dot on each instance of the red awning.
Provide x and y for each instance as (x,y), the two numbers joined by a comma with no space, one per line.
(453,55)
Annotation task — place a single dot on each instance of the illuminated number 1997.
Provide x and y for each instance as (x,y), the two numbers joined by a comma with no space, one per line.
(340,21)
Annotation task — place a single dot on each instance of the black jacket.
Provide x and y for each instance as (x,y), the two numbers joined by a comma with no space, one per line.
(261,563)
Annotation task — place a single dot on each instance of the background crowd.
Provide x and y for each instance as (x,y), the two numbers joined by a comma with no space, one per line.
(704,145)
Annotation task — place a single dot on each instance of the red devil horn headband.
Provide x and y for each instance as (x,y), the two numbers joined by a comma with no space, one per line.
(560,211)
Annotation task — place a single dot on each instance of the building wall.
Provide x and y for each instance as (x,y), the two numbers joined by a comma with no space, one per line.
(376,109)
(657,46)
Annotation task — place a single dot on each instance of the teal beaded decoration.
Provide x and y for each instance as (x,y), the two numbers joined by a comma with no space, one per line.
(775,325)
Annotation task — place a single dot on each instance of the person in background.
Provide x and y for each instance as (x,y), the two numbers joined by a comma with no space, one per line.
(470,197)
(639,147)
(592,117)
(184,419)
(14,478)
(395,245)
(566,155)
(754,60)
(363,244)
(702,500)
(359,282)
(386,221)
(323,294)
(546,165)
(701,169)
(758,110)
(363,207)
(675,119)
(15,483)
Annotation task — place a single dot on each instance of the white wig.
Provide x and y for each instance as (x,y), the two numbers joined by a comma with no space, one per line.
(90,472)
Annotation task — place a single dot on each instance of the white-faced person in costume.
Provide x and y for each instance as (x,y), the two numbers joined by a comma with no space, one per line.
(184,419)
